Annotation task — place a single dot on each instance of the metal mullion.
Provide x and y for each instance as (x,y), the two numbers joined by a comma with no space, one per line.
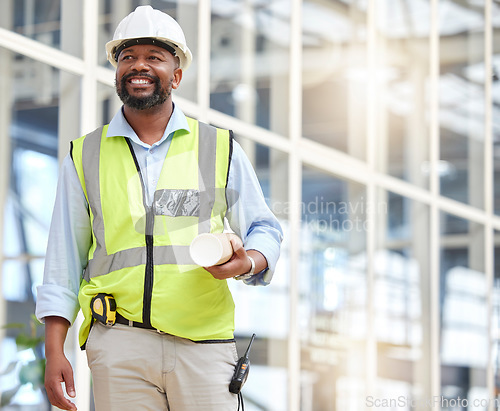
(464,211)
(89,80)
(295,199)
(251,131)
(189,108)
(371,192)
(340,164)
(489,193)
(203,57)
(40,52)
(88,121)
(6,85)
(105,76)
(434,241)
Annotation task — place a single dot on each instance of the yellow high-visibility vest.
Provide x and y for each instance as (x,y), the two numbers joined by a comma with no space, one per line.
(140,252)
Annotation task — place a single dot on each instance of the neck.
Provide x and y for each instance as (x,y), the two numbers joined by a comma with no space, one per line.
(149,125)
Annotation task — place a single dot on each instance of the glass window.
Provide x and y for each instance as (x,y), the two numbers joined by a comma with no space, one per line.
(461,100)
(334,76)
(401,299)
(402,81)
(52,22)
(249,61)
(333,291)
(33,119)
(33,144)
(108,102)
(496,108)
(463,314)
(495,321)
(264,310)
(249,80)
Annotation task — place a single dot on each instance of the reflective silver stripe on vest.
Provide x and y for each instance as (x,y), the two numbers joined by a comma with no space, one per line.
(207,150)
(168,254)
(199,203)
(90,164)
(102,263)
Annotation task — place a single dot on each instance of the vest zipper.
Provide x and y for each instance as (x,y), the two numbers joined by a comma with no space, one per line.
(149,270)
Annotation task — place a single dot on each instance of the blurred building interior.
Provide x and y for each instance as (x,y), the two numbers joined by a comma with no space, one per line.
(374,128)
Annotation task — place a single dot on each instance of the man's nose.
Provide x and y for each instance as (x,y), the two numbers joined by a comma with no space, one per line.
(140,64)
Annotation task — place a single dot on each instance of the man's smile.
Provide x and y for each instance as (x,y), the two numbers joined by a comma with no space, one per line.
(140,81)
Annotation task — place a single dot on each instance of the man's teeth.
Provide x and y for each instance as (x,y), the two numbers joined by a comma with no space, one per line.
(139,81)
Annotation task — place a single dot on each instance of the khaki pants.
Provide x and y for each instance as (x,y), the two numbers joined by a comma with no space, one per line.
(135,369)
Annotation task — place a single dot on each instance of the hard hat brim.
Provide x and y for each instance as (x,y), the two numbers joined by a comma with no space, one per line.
(183,53)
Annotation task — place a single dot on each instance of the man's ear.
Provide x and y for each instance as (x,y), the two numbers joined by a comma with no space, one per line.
(177,78)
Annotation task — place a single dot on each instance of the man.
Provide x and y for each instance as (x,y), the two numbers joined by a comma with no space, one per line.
(131,197)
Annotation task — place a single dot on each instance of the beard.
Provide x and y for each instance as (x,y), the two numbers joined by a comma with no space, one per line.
(156,98)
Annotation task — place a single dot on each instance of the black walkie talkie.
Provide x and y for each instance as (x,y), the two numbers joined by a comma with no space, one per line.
(241,371)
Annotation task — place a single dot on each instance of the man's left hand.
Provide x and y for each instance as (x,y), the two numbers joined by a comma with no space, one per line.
(238,263)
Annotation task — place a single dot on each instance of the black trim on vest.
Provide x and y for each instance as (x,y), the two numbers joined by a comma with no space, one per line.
(138,168)
(71,150)
(231,139)
(149,271)
(84,346)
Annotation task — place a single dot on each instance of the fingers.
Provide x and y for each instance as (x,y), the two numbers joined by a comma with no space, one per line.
(236,242)
(70,383)
(57,398)
(238,264)
(240,253)
(59,371)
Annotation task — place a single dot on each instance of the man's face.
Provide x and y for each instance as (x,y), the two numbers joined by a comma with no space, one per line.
(145,76)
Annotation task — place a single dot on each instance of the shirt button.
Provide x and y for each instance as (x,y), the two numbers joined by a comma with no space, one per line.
(152,151)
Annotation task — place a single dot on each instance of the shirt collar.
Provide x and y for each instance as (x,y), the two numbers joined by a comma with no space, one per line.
(120,127)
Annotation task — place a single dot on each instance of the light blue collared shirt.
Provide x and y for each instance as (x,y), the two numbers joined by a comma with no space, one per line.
(70,232)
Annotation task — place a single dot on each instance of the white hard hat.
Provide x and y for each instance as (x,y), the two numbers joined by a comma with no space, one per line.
(147,25)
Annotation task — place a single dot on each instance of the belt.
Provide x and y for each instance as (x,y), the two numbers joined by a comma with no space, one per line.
(120,319)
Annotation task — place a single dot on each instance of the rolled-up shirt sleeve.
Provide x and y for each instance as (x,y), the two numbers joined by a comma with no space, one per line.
(250,217)
(67,250)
